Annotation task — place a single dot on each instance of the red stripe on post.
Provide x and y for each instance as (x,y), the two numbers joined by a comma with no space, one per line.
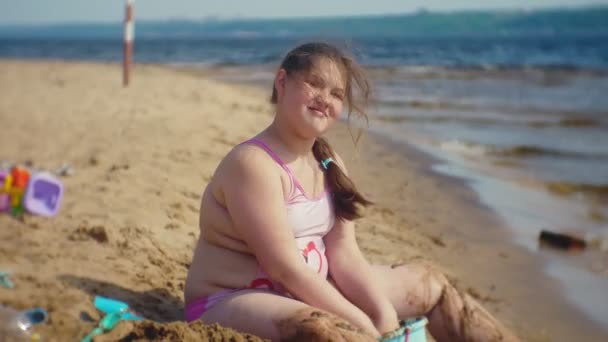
(128,43)
(129,15)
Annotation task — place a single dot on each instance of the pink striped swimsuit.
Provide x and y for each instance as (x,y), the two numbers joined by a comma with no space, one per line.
(310,219)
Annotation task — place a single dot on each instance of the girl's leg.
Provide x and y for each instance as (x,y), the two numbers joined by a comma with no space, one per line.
(421,290)
(278,318)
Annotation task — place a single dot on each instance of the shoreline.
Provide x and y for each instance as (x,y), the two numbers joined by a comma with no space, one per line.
(489,264)
(582,274)
(156,144)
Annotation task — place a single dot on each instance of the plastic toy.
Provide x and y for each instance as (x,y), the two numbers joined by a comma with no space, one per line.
(38,193)
(36,315)
(18,325)
(115,311)
(108,305)
(5,279)
(107,323)
(16,189)
(5,185)
(43,195)
(411,330)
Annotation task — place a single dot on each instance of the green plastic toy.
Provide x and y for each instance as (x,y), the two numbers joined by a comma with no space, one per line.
(107,323)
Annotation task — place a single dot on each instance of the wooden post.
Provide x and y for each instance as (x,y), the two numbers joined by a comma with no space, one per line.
(128,43)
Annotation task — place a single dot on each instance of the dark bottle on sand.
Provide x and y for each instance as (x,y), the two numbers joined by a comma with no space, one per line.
(561,241)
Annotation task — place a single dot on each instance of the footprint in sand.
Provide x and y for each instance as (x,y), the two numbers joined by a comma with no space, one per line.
(116,167)
(175,212)
(93,161)
(171,226)
(180,156)
(223,141)
(205,154)
(192,208)
(113,173)
(191,195)
(83,233)
(483,298)
(437,240)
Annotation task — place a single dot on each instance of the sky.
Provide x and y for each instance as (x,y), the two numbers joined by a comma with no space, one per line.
(58,11)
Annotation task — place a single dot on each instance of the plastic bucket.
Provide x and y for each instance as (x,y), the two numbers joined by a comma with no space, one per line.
(411,330)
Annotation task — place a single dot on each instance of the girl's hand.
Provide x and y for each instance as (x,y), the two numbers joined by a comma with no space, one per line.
(369,327)
(360,320)
(386,321)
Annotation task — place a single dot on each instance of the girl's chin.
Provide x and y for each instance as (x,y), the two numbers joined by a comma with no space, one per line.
(313,126)
(318,129)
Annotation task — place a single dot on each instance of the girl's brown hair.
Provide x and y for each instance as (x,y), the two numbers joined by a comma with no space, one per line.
(346,198)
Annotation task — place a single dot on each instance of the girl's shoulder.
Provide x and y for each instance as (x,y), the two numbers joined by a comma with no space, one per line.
(247,158)
(247,153)
(248,168)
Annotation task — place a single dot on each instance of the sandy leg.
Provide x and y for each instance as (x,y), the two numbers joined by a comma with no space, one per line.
(421,290)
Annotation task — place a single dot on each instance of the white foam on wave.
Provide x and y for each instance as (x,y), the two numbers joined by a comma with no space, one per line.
(463,148)
(598,239)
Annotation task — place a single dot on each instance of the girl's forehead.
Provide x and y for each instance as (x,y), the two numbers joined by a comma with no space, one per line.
(330,71)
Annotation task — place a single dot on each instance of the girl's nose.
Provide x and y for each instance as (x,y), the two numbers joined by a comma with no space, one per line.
(322,98)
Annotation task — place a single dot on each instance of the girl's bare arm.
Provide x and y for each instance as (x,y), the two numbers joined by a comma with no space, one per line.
(353,274)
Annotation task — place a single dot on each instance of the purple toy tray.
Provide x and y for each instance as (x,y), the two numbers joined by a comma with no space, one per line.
(43,195)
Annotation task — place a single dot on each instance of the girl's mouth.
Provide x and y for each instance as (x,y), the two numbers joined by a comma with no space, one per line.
(317,111)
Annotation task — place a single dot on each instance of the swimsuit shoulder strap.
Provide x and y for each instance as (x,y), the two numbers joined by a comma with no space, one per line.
(275,157)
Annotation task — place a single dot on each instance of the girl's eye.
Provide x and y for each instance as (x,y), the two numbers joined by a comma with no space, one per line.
(338,96)
(316,83)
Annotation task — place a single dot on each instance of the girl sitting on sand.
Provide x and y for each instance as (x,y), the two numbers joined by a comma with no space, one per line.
(277,233)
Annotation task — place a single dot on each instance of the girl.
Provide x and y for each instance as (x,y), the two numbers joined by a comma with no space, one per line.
(277,232)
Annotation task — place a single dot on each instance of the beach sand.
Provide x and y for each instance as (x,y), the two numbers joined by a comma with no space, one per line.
(142,156)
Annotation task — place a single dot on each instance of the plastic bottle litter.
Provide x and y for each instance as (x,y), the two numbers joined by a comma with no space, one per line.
(18,326)
(561,241)
(5,279)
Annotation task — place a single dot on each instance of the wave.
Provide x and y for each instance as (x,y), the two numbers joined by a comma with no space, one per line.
(524,151)
(550,73)
(573,122)
(517,151)
(465,148)
(579,122)
(598,191)
(437,119)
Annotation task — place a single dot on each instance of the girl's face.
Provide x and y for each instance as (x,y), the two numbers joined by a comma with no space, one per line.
(311,101)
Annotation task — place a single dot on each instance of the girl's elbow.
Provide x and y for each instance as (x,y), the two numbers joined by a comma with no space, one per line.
(283,273)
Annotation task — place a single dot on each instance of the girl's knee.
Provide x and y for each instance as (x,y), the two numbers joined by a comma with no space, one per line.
(431,286)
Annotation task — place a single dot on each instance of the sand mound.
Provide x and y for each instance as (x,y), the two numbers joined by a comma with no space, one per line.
(174,331)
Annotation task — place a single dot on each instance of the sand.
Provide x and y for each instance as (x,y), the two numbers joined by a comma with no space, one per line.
(142,156)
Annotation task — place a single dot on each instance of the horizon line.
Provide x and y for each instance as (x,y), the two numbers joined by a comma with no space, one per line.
(215,18)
